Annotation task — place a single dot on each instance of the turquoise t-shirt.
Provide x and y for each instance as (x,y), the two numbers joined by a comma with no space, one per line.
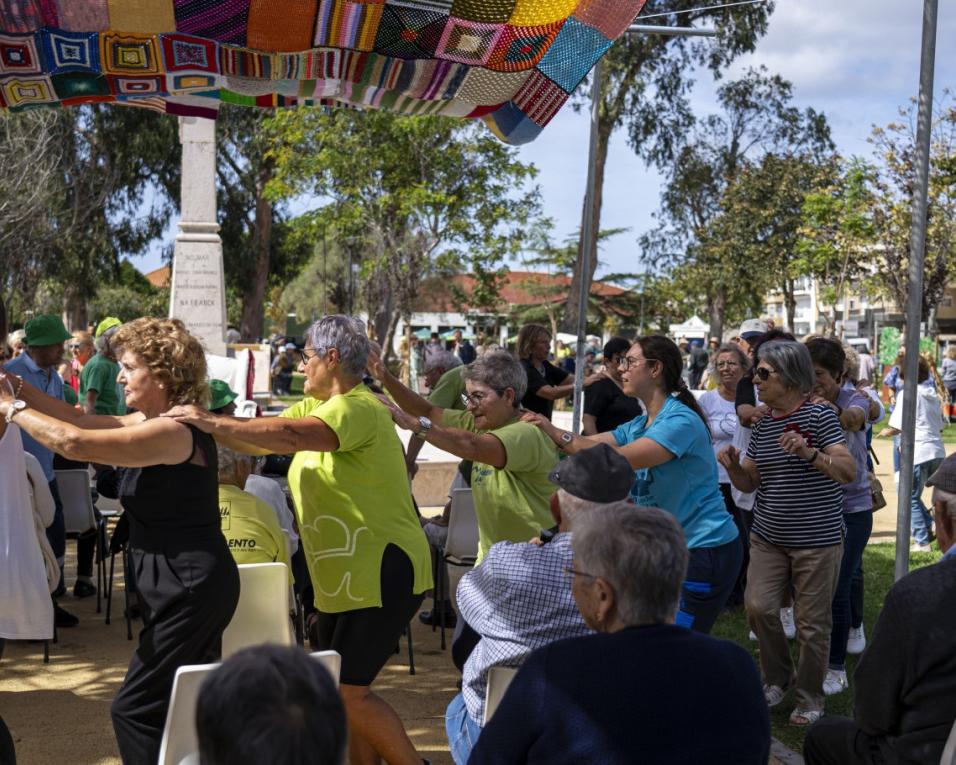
(685,486)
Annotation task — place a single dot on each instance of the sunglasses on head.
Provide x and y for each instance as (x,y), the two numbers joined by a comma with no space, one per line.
(763,373)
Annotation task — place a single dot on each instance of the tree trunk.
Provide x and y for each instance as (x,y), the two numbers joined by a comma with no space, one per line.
(586,263)
(76,310)
(790,301)
(254,293)
(716,308)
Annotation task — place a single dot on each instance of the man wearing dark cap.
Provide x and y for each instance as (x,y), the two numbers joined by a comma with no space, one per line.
(519,598)
(44,340)
(905,683)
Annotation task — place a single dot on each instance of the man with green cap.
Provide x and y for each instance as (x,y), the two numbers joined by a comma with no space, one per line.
(44,340)
(99,391)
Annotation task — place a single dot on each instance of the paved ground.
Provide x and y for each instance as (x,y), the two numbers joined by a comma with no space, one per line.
(59,713)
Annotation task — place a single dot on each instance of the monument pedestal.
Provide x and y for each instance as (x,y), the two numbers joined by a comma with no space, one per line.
(198,295)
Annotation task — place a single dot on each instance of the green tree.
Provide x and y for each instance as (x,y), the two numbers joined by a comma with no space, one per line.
(409,196)
(648,80)
(891,210)
(757,120)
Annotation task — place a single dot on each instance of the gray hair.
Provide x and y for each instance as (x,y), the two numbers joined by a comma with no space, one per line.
(102,343)
(735,349)
(792,362)
(571,506)
(499,370)
(641,553)
(442,359)
(851,367)
(229,460)
(347,335)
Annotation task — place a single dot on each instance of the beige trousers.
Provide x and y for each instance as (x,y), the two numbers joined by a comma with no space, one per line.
(813,573)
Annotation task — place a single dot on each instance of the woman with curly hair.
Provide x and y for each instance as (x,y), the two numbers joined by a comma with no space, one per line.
(669,448)
(187,580)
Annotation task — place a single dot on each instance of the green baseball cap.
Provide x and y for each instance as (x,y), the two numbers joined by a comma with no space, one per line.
(45,330)
(220,394)
(108,323)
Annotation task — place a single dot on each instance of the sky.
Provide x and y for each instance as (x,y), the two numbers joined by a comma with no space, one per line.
(855,60)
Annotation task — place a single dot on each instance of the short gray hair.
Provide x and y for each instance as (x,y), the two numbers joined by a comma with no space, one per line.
(571,506)
(792,362)
(742,358)
(852,365)
(102,343)
(347,335)
(229,459)
(641,553)
(499,370)
(442,359)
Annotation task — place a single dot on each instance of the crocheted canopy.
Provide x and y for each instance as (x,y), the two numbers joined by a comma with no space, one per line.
(512,63)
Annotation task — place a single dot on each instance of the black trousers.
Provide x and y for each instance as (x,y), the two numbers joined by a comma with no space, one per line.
(188,598)
(839,741)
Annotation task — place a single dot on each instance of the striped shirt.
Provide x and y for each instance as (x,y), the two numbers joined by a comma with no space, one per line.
(796,505)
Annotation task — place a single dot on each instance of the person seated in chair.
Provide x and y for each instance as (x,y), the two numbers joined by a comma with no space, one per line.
(249,525)
(519,597)
(642,690)
(905,683)
(270,704)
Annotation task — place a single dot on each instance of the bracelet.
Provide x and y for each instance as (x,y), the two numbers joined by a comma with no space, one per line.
(16,393)
(813,459)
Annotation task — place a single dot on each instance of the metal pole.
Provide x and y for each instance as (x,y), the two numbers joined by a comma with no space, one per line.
(915,291)
(654,29)
(588,241)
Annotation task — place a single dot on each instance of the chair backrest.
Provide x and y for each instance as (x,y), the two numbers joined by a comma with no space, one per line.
(499,678)
(74,488)
(462,541)
(179,736)
(332,660)
(262,615)
(949,751)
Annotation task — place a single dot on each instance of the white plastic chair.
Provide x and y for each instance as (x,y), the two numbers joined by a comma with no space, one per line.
(79,518)
(179,735)
(332,661)
(461,544)
(499,678)
(949,751)
(262,615)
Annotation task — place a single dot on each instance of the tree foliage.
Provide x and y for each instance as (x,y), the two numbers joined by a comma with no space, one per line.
(408,196)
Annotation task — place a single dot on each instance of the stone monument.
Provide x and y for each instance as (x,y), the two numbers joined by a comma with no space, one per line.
(198,286)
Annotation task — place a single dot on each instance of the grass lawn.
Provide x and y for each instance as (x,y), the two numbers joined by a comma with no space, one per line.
(878,563)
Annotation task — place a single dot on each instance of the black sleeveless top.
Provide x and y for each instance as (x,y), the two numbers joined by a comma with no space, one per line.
(174,505)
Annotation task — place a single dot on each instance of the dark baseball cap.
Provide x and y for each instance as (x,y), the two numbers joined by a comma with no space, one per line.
(598,474)
(945,475)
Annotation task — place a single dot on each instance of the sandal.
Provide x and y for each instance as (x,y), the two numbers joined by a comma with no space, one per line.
(773,694)
(804,717)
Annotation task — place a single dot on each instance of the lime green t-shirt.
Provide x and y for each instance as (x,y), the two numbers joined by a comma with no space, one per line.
(447,391)
(251,528)
(353,502)
(99,374)
(513,503)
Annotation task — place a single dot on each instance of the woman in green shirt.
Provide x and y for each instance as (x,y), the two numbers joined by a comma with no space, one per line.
(368,557)
(512,459)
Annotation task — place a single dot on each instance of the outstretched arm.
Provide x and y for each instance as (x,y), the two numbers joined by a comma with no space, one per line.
(41,402)
(405,397)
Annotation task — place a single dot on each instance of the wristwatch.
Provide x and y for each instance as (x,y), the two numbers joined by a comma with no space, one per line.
(17,405)
(566,438)
(426,425)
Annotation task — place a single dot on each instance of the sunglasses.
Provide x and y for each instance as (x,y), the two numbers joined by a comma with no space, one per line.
(763,373)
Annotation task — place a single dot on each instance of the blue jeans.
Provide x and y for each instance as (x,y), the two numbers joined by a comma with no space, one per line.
(920,520)
(858,528)
(462,731)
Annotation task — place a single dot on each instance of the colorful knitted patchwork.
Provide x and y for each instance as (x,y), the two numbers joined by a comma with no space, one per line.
(510,63)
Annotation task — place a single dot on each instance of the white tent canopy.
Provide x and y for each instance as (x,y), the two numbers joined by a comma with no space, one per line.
(694,327)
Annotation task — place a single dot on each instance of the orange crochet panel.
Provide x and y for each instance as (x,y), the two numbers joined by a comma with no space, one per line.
(511,63)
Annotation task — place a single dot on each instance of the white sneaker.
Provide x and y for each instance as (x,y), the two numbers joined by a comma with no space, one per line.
(786,619)
(835,682)
(856,640)
(752,636)
(917,547)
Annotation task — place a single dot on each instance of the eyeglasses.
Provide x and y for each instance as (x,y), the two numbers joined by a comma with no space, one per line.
(763,373)
(475,399)
(571,572)
(726,364)
(630,361)
(306,358)
(75,346)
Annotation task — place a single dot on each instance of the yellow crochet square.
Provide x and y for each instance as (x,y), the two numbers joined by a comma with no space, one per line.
(529,13)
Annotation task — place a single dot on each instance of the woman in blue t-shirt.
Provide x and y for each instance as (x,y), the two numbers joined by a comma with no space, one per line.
(670,450)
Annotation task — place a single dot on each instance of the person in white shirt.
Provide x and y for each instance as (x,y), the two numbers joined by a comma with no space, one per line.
(927,454)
